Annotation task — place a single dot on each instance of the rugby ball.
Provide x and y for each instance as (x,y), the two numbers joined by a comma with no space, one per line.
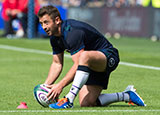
(40,94)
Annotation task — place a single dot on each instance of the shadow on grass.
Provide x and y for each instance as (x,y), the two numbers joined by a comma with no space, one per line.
(121,106)
(110,106)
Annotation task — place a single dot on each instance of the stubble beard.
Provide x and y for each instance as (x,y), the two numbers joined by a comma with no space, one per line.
(55,31)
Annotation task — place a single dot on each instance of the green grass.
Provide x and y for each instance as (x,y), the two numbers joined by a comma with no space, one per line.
(20,72)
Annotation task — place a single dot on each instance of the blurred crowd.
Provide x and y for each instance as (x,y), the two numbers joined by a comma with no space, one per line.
(101,3)
(17,9)
(95,3)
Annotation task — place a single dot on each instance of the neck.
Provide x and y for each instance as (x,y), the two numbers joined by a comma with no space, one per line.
(59,32)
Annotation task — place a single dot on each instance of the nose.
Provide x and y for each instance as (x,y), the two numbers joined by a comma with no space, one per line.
(44,27)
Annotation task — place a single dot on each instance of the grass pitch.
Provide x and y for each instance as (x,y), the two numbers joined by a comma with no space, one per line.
(21,71)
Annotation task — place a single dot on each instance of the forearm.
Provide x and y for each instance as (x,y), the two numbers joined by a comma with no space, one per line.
(69,76)
(54,73)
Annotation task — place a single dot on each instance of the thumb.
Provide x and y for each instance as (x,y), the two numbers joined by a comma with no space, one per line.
(49,86)
(46,85)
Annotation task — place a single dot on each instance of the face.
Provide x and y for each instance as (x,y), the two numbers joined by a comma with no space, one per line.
(50,27)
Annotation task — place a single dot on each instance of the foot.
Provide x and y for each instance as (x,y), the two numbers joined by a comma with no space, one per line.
(134,97)
(61,104)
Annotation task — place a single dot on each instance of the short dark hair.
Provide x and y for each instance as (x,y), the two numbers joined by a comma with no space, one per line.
(50,10)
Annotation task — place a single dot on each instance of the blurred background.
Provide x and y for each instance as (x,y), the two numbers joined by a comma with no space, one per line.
(131,18)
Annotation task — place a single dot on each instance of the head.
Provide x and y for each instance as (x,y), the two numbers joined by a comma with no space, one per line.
(50,19)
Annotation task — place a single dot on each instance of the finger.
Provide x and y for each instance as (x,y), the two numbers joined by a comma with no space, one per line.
(55,95)
(49,93)
(53,100)
(51,96)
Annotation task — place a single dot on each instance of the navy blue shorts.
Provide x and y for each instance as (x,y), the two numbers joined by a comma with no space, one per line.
(102,78)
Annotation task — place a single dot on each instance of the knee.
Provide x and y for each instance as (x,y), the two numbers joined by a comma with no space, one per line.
(84,58)
(88,103)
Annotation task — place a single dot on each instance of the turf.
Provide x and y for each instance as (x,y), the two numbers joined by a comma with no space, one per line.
(20,72)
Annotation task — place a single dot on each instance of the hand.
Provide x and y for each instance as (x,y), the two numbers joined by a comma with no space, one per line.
(14,12)
(56,90)
(8,11)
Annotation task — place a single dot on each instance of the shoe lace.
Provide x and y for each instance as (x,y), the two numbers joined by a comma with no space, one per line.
(62,101)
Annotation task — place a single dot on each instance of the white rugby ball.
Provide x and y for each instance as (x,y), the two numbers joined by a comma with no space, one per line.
(40,94)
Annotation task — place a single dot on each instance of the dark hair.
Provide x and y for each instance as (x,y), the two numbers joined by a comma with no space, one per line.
(50,10)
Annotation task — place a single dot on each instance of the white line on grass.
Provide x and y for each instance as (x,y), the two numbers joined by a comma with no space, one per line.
(68,56)
(73,111)
(139,66)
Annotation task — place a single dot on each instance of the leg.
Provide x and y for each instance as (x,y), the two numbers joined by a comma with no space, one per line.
(88,60)
(129,95)
(95,60)
(89,94)
(23,19)
(8,27)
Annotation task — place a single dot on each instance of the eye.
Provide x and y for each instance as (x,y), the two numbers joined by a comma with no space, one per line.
(46,22)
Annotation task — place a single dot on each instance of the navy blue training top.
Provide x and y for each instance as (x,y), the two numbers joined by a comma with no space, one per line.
(77,35)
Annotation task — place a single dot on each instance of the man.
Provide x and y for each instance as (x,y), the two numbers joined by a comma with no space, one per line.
(94,59)
(13,9)
(16,9)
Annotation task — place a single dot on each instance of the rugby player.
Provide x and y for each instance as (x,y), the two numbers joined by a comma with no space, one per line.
(94,59)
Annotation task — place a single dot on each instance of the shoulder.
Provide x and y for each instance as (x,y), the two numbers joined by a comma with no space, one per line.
(71,29)
(74,23)
(75,34)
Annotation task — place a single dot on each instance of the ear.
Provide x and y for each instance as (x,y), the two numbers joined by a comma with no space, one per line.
(57,20)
